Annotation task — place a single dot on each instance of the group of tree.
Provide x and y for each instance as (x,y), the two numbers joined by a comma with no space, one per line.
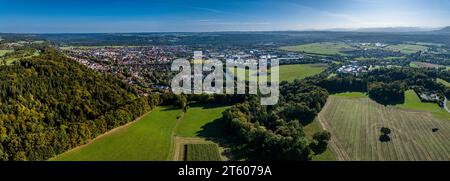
(50,104)
(387,93)
(387,85)
(276,132)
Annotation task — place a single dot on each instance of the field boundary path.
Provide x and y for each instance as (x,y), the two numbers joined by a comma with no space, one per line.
(445,105)
(334,142)
(173,141)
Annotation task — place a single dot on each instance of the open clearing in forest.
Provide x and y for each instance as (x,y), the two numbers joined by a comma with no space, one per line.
(355,127)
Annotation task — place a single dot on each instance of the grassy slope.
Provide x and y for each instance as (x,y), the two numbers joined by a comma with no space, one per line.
(355,123)
(413,102)
(195,118)
(147,139)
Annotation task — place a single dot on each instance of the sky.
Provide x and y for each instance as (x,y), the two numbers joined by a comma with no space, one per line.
(109,16)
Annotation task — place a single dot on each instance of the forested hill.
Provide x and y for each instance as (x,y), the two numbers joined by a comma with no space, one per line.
(49,104)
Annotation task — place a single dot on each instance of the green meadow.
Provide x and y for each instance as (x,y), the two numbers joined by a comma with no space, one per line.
(196,117)
(149,138)
(412,102)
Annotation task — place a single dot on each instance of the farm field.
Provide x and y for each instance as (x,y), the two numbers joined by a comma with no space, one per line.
(201,152)
(327,48)
(443,82)
(192,128)
(294,71)
(386,58)
(149,138)
(355,127)
(412,102)
(406,48)
(424,65)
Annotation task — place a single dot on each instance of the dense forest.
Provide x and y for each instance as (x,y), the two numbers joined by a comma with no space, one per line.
(50,104)
(275,132)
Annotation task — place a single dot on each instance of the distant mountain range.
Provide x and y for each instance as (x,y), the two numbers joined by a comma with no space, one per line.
(444,30)
(394,30)
(397,29)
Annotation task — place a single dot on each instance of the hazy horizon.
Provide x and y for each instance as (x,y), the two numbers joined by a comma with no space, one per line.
(100,16)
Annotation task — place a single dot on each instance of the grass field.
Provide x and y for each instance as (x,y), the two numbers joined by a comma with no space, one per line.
(201,152)
(293,71)
(196,117)
(327,48)
(300,71)
(149,138)
(443,82)
(412,102)
(351,95)
(355,127)
(424,65)
(406,48)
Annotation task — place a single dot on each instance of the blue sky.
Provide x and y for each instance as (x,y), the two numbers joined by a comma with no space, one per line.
(47,16)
